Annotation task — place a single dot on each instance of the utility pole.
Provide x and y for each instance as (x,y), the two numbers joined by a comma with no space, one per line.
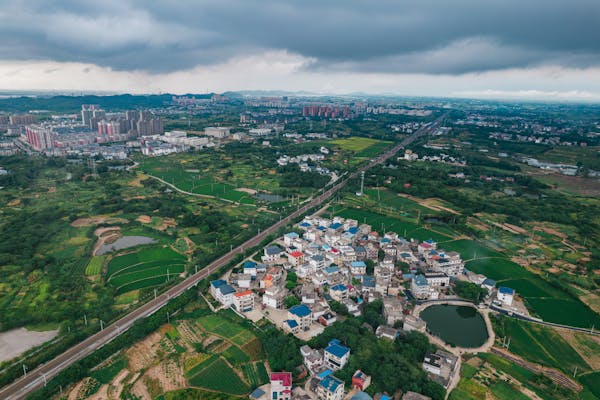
(101,325)
(575,372)
(168,318)
(154,293)
(85,319)
(24,370)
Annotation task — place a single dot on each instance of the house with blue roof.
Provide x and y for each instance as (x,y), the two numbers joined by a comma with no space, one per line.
(334,269)
(249,268)
(302,315)
(288,238)
(339,292)
(368,283)
(489,284)
(336,355)
(420,287)
(330,388)
(272,254)
(336,226)
(291,326)
(222,292)
(358,268)
(505,295)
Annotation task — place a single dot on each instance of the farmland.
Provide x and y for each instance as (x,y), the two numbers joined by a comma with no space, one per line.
(361,146)
(199,353)
(542,345)
(145,268)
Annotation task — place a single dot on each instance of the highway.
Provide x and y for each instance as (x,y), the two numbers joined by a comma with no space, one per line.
(36,378)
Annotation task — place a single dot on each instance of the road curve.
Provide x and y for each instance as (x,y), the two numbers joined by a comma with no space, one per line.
(35,379)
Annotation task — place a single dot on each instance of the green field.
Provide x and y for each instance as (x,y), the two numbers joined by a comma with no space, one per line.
(220,377)
(106,374)
(592,382)
(362,146)
(468,389)
(470,249)
(380,222)
(227,329)
(146,268)
(95,265)
(173,172)
(505,391)
(235,355)
(498,269)
(542,345)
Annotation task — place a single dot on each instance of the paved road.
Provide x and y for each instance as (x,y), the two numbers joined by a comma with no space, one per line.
(36,378)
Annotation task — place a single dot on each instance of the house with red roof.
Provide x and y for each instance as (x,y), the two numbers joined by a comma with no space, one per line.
(296,258)
(281,385)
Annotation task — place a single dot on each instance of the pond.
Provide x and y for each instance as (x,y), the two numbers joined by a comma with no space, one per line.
(271,198)
(124,243)
(461,326)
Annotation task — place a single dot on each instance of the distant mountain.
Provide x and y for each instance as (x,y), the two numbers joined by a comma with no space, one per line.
(69,104)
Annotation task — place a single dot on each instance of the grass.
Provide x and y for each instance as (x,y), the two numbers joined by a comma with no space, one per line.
(362,146)
(468,389)
(380,222)
(226,328)
(145,268)
(95,265)
(565,311)
(107,374)
(195,361)
(498,269)
(235,355)
(201,366)
(173,172)
(542,345)
(505,391)
(470,249)
(592,382)
(255,374)
(220,377)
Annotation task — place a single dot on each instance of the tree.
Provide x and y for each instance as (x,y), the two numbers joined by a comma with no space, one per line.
(470,291)
(291,301)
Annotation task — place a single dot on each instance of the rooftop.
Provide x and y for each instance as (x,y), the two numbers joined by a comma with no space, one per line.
(300,310)
(337,349)
(330,383)
(284,377)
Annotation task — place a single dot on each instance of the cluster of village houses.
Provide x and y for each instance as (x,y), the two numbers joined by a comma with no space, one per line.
(329,258)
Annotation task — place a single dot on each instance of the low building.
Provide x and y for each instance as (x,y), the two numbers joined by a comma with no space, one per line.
(437,279)
(392,310)
(360,380)
(505,295)
(386,332)
(244,301)
(302,315)
(339,292)
(440,366)
(330,388)
(313,359)
(274,297)
(222,292)
(412,323)
(281,385)
(272,254)
(336,355)
(419,287)
(327,319)
(358,267)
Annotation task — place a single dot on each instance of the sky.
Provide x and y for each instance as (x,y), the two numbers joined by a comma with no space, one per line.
(532,49)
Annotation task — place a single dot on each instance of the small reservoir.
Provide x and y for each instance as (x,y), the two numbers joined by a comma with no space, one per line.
(461,326)
(124,243)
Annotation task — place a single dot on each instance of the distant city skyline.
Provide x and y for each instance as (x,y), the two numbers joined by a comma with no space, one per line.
(535,50)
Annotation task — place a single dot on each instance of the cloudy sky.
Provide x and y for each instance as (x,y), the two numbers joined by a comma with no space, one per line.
(528,49)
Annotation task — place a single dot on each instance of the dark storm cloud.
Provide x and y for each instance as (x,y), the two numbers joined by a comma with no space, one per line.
(438,36)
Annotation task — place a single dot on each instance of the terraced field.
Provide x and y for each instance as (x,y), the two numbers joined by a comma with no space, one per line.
(146,268)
